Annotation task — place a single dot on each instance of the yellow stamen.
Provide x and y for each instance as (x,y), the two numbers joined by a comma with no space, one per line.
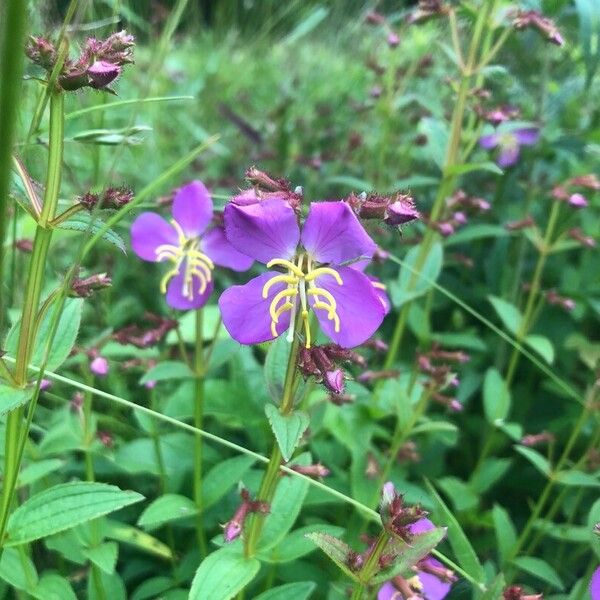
(289,279)
(290,292)
(324,271)
(378,285)
(167,277)
(332,316)
(287,264)
(197,255)
(306,328)
(316,291)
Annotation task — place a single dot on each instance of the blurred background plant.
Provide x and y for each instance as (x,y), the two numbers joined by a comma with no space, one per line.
(479,398)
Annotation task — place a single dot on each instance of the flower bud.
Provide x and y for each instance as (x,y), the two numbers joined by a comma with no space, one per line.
(393,40)
(102,73)
(41,51)
(99,366)
(334,381)
(578,201)
(84,288)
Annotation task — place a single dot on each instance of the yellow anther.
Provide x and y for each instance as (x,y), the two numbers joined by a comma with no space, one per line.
(200,268)
(180,234)
(331,314)
(203,280)
(197,255)
(282,262)
(167,277)
(166,251)
(378,285)
(289,279)
(283,308)
(306,328)
(283,294)
(324,271)
(316,291)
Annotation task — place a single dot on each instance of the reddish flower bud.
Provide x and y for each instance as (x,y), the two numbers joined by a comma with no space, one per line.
(84,288)
(317,470)
(584,240)
(102,73)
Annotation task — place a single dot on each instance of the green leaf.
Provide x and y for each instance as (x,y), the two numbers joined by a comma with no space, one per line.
(222,574)
(285,508)
(167,370)
(339,552)
(509,314)
(577,478)
(436,132)
(539,568)
(136,537)
(93,224)
(506,533)
(127,136)
(475,232)
(275,369)
(53,586)
(409,555)
(11,398)
(164,509)
(588,12)
(187,327)
(491,471)
(104,556)
(64,506)
(17,569)
(464,168)
(542,345)
(535,458)
(411,281)
(300,590)
(222,477)
(496,397)
(31,473)
(153,588)
(64,340)
(295,544)
(462,496)
(318,14)
(288,429)
(494,589)
(464,552)
(111,586)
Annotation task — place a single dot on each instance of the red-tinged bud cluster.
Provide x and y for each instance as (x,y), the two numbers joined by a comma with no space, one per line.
(24,245)
(552,297)
(371,376)
(515,592)
(396,209)
(523,19)
(234,527)
(428,9)
(497,115)
(449,402)
(396,516)
(440,375)
(86,286)
(323,363)
(537,439)
(265,187)
(98,65)
(520,224)
(317,471)
(112,198)
(461,201)
(145,338)
(585,240)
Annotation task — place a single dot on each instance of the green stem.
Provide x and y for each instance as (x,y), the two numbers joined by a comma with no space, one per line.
(268,484)
(370,566)
(199,368)
(526,322)
(29,316)
(447,183)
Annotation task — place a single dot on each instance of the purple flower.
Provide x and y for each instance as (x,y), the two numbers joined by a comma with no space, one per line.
(432,581)
(509,143)
(595,585)
(99,366)
(186,242)
(320,273)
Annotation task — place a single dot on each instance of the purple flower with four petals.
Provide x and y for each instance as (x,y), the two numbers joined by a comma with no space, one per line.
(509,143)
(188,243)
(318,270)
(432,580)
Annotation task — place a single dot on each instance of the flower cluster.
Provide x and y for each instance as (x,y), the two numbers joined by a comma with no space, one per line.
(98,65)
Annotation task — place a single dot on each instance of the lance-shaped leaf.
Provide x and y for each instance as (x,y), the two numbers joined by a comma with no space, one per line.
(288,429)
(339,552)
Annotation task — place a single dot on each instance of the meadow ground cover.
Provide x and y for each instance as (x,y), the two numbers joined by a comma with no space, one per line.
(299,300)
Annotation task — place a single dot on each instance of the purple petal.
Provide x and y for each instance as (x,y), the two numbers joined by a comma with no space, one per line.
(193,208)
(595,585)
(421,526)
(221,252)
(508,156)
(246,313)
(332,234)
(381,292)
(434,588)
(527,136)
(175,292)
(148,232)
(264,231)
(489,141)
(358,307)
(388,592)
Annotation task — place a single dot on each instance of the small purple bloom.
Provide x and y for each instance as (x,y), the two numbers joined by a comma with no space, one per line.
(186,242)
(578,201)
(319,274)
(334,381)
(99,366)
(595,585)
(509,143)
